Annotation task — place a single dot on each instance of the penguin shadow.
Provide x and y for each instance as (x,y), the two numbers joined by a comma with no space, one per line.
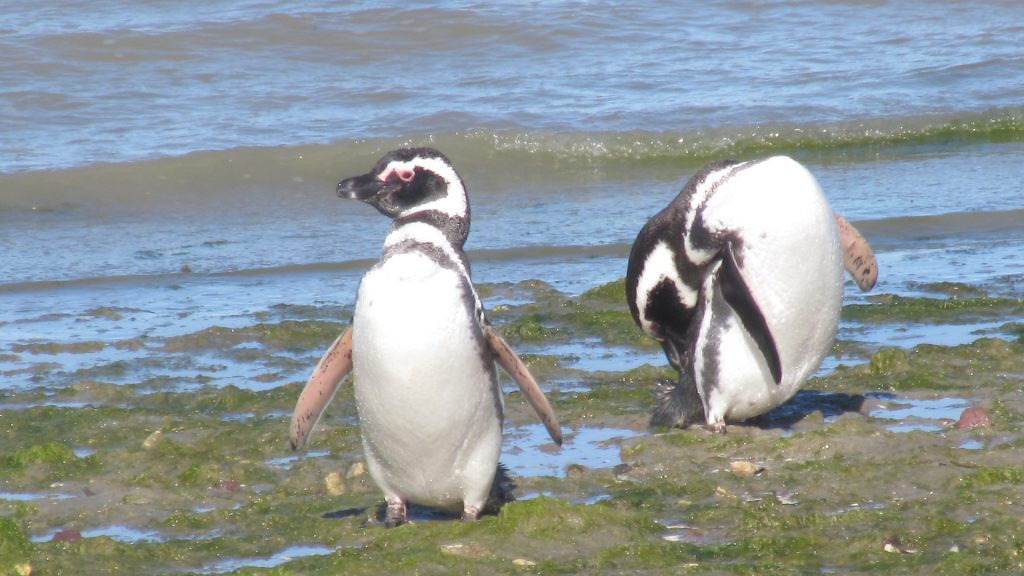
(501,494)
(805,403)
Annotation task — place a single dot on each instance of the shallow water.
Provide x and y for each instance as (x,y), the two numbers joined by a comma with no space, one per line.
(167,183)
(86,83)
(527,450)
(276,559)
(913,414)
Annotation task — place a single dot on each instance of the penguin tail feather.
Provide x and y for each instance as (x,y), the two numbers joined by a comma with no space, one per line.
(501,490)
(673,408)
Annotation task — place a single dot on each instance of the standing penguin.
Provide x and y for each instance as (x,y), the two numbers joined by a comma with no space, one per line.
(421,349)
(740,278)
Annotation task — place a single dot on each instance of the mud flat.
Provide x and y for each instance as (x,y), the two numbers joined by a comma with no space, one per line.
(895,459)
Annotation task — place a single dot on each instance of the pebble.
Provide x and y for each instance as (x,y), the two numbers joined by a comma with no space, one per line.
(894,545)
(334,483)
(470,550)
(974,417)
(574,471)
(356,470)
(229,485)
(152,439)
(68,535)
(744,468)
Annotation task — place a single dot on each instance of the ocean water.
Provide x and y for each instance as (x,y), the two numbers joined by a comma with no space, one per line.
(177,163)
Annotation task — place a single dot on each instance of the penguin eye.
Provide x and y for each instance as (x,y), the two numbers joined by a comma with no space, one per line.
(405,175)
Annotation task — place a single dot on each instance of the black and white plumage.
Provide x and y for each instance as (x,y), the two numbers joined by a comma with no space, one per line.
(740,278)
(420,348)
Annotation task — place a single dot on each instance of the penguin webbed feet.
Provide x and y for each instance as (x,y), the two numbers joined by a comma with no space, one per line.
(716,427)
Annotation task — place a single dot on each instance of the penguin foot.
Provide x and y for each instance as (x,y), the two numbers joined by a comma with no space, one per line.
(396,514)
(717,427)
(470,513)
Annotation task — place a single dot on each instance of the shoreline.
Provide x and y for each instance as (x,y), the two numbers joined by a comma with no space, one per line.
(151,481)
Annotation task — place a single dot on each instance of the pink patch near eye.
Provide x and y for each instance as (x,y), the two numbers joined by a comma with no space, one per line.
(403,174)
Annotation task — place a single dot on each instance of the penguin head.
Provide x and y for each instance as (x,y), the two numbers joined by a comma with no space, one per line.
(408,181)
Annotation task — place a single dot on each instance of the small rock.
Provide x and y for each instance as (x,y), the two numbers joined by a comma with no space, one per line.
(452,548)
(744,468)
(621,469)
(786,497)
(892,544)
(523,562)
(229,485)
(974,417)
(356,470)
(152,439)
(574,470)
(471,550)
(334,483)
(69,535)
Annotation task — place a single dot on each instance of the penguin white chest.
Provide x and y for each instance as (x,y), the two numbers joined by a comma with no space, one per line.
(425,385)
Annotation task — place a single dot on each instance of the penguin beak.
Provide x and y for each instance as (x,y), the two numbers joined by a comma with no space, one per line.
(365,187)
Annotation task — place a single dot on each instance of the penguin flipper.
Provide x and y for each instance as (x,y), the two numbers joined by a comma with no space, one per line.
(858,258)
(738,296)
(323,383)
(510,361)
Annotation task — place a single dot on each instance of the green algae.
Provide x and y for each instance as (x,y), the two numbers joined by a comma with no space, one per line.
(46,462)
(526,328)
(208,468)
(108,312)
(284,335)
(896,308)
(613,292)
(59,347)
(15,546)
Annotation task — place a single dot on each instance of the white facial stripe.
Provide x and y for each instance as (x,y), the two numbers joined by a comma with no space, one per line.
(700,195)
(660,265)
(453,204)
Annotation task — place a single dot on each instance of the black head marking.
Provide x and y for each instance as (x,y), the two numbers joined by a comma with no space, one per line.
(670,227)
(415,185)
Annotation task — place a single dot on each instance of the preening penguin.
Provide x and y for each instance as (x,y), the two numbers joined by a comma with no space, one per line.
(740,278)
(421,349)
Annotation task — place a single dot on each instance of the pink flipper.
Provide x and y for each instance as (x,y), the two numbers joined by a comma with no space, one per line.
(335,364)
(858,258)
(511,363)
